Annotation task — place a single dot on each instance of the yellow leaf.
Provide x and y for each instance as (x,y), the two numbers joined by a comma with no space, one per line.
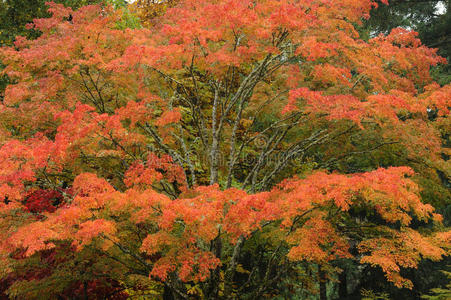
(240,269)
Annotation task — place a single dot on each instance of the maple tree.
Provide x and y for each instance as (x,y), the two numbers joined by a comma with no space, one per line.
(199,157)
(431,19)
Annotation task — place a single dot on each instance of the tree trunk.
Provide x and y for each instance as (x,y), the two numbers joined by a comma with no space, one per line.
(322,284)
(230,272)
(215,132)
(213,285)
(167,293)
(85,290)
(343,285)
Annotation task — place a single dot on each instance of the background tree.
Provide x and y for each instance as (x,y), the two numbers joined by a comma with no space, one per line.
(440,293)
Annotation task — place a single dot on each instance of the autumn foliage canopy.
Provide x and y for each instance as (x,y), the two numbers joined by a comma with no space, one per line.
(207,154)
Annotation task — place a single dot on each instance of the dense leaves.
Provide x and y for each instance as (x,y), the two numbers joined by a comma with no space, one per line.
(432,20)
(209,155)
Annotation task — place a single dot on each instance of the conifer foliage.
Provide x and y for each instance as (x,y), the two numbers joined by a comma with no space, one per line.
(199,157)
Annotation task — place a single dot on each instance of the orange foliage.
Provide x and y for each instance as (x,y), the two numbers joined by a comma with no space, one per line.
(83,95)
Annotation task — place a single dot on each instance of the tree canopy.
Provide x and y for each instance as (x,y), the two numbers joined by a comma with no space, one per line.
(430,18)
(226,149)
